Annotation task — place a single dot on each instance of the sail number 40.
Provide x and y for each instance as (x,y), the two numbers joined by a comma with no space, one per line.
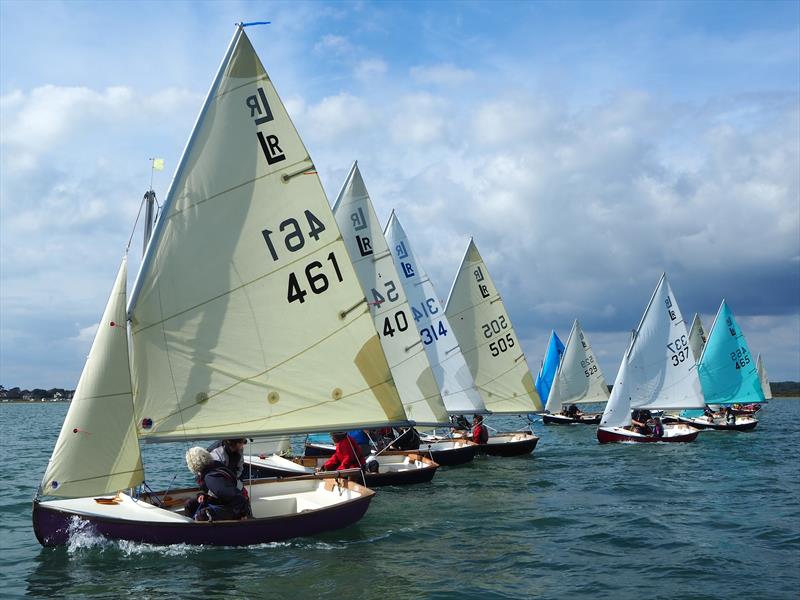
(680,350)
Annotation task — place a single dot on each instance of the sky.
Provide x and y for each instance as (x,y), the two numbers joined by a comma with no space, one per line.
(586,146)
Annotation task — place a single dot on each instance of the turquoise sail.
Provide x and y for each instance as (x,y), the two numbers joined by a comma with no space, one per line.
(727,370)
(544,380)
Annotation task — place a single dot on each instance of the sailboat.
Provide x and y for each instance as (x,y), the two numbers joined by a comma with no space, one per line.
(697,337)
(578,380)
(400,340)
(547,372)
(246,319)
(657,373)
(762,376)
(728,374)
(452,374)
(492,351)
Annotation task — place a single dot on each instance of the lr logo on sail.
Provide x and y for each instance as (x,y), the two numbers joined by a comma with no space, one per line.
(261,113)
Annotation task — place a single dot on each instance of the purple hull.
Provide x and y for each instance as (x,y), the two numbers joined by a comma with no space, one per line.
(52,526)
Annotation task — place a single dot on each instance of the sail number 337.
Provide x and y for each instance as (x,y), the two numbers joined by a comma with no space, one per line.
(316,275)
(680,350)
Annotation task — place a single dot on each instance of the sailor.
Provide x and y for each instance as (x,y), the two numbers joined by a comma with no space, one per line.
(230,453)
(362,439)
(480,435)
(222,495)
(730,416)
(346,456)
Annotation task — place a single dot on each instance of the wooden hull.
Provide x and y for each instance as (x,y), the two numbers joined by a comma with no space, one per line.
(743,424)
(672,434)
(509,444)
(405,469)
(445,454)
(140,521)
(565,420)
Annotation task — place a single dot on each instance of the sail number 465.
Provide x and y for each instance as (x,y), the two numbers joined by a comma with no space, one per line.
(740,358)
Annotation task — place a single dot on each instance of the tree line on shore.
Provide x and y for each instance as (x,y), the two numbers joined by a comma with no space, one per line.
(779,389)
(17,394)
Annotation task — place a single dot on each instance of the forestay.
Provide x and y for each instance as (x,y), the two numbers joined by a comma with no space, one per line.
(248,318)
(697,337)
(657,370)
(550,364)
(97,451)
(441,345)
(391,312)
(728,372)
(490,345)
(762,375)
(579,378)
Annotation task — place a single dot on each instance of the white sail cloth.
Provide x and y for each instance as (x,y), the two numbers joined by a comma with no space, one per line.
(488,341)
(762,376)
(97,450)
(697,337)
(579,378)
(248,318)
(449,368)
(390,310)
(658,369)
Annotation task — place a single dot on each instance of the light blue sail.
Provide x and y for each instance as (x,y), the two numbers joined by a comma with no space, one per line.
(544,380)
(727,370)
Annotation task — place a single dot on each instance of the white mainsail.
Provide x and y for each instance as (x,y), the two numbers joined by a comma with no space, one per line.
(97,451)
(441,345)
(658,370)
(490,345)
(247,317)
(762,376)
(391,312)
(697,337)
(579,378)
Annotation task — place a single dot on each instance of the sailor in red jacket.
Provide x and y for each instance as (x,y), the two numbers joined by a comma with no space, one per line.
(347,455)
(480,435)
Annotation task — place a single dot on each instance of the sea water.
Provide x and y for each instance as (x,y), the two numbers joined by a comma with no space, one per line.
(717,518)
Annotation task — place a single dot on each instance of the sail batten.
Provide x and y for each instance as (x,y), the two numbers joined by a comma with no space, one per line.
(488,341)
(248,319)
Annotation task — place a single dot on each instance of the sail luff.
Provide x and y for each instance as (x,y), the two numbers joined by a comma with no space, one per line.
(171,191)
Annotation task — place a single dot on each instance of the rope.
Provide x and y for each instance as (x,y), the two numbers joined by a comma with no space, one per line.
(130,239)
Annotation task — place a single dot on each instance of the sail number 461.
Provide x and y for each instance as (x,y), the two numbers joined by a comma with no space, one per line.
(294,239)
